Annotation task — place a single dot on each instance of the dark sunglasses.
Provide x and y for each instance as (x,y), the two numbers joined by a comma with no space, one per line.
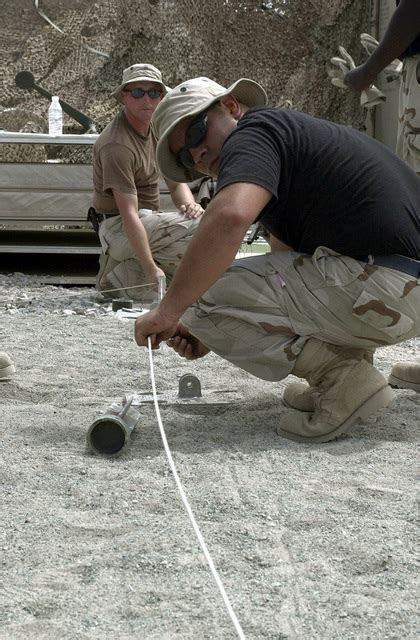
(194,136)
(138,92)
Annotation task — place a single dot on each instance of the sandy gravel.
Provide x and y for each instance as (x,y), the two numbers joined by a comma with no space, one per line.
(310,541)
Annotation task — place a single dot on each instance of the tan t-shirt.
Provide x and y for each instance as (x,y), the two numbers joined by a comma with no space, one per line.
(125,161)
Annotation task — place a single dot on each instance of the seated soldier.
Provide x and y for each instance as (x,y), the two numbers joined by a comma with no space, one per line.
(139,243)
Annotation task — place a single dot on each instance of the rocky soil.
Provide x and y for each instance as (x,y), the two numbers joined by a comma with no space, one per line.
(309,541)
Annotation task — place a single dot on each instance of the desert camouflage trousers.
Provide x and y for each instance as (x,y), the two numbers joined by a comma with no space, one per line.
(408,135)
(261,312)
(168,235)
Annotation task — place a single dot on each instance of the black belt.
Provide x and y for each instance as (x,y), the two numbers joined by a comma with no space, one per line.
(95,218)
(396,262)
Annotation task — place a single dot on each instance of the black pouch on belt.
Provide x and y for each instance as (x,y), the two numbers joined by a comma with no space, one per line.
(92,217)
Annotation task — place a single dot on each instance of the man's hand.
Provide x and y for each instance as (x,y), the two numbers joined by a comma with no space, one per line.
(153,273)
(176,335)
(359,79)
(155,325)
(191,210)
(183,199)
(186,345)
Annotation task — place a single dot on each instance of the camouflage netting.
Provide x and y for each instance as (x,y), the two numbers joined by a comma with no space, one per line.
(284,44)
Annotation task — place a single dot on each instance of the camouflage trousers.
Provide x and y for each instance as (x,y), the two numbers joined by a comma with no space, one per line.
(408,135)
(261,312)
(168,235)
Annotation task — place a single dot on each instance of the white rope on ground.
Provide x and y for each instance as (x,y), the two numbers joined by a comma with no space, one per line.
(186,503)
(134,286)
(78,293)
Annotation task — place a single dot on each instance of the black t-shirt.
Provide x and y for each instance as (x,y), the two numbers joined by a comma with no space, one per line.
(331,185)
(414,48)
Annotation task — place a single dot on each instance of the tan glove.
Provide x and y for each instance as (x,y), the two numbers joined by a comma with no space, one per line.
(369,43)
(341,66)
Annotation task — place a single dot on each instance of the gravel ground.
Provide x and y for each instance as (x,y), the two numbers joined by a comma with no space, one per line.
(309,541)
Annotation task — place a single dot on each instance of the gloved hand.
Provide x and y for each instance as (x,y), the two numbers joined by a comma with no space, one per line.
(369,43)
(341,66)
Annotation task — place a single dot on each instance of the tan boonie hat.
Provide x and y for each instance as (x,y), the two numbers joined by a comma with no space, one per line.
(189,99)
(137,73)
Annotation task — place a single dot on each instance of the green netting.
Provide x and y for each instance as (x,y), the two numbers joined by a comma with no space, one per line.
(284,44)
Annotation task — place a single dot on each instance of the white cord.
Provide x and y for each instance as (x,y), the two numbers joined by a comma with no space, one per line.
(186,504)
(84,44)
(133,286)
(75,294)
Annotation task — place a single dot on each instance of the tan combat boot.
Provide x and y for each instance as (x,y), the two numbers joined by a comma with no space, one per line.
(7,368)
(405,375)
(300,396)
(348,388)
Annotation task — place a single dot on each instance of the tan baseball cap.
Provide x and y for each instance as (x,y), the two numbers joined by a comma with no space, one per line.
(189,99)
(137,73)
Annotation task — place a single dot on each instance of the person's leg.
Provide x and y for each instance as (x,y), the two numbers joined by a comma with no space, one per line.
(378,305)
(408,136)
(302,396)
(243,319)
(264,322)
(7,368)
(375,305)
(127,280)
(344,389)
(115,250)
(168,235)
(102,283)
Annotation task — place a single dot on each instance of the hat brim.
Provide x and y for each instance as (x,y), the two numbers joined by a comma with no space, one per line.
(244,90)
(117,94)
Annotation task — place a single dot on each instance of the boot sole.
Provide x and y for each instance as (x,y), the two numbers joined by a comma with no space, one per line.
(379,401)
(397,383)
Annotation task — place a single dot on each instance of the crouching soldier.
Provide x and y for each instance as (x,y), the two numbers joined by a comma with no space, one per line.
(343,279)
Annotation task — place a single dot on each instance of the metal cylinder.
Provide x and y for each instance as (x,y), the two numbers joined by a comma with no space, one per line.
(121,303)
(110,434)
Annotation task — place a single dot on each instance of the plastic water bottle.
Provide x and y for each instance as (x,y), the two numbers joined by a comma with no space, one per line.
(55,118)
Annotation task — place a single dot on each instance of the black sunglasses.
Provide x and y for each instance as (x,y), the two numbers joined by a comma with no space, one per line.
(194,135)
(138,92)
